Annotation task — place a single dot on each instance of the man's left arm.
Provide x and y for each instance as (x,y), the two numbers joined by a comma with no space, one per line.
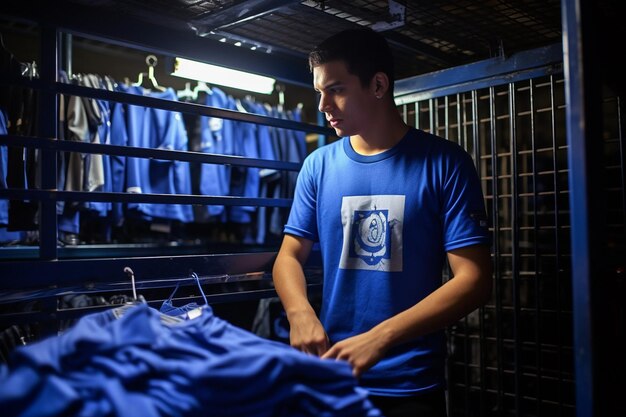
(469,289)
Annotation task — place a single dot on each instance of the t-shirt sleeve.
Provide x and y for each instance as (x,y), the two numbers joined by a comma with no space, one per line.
(302,219)
(464,217)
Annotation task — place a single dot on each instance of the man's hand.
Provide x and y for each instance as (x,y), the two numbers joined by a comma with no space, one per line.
(361,351)
(307,334)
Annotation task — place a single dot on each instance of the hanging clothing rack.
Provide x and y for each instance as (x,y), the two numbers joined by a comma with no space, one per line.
(72,274)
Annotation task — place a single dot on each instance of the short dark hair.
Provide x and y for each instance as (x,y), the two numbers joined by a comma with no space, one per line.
(365,52)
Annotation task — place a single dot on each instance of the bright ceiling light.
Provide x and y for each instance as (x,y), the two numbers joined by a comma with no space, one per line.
(213,74)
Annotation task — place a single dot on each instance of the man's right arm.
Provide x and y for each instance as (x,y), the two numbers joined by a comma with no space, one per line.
(306,331)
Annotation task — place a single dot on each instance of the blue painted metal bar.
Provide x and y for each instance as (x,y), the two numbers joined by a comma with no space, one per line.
(67,54)
(184,107)
(87,272)
(68,314)
(583,129)
(126,250)
(47,114)
(159,103)
(90,274)
(238,13)
(54,195)
(489,72)
(165,154)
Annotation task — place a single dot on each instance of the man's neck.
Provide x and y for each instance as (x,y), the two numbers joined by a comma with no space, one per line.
(380,137)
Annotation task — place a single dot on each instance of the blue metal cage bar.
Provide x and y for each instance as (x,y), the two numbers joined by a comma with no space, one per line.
(165,104)
(166,154)
(48,128)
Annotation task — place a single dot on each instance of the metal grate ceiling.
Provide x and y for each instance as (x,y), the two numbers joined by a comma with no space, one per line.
(433,35)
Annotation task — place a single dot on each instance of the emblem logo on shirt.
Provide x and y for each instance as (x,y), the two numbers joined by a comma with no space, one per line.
(372,232)
(370,236)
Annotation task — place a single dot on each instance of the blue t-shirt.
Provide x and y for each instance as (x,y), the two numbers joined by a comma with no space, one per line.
(156,129)
(384,223)
(217,137)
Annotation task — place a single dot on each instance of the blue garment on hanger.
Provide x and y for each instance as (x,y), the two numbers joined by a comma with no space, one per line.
(267,151)
(119,137)
(4,160)
(5,236)
(157,129)
(104,136)
(68,215)
(244,180)
(263,138)
(138,365)
(216,138)
(299,136)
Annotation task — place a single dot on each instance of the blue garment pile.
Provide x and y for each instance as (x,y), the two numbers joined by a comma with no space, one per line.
(137,365)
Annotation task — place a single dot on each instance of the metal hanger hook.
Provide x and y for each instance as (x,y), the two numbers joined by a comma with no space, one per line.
(151,60)
(131,274)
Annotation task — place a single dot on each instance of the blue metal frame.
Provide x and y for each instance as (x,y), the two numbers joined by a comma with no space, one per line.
(47,113)
(164,104)
(61,273)
(481,74)
(87,272)
(236,14)
(171,155)
(49,87)
(46,281)
(54,195)
(583,119)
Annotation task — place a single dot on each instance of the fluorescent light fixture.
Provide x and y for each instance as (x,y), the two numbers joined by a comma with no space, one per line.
(213,74)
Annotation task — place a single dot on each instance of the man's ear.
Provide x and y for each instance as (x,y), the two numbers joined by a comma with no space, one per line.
(380,84)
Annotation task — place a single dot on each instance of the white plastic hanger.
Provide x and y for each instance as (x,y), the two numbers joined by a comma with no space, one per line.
(151,60)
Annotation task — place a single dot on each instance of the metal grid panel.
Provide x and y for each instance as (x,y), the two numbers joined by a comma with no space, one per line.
(515,24)
(514,356)
(461,31)
(183,10)
(433,36)
(292,28)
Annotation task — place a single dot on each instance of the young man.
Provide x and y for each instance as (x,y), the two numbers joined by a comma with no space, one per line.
(387,203)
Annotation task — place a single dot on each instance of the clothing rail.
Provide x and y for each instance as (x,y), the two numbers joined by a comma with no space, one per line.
(229,277)
(48,195)
(164,104)
(225,278)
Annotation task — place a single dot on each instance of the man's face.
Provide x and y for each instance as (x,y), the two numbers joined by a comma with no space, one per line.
(348,106)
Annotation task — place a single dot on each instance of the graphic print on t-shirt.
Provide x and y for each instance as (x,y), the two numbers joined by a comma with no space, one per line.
(372,232)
